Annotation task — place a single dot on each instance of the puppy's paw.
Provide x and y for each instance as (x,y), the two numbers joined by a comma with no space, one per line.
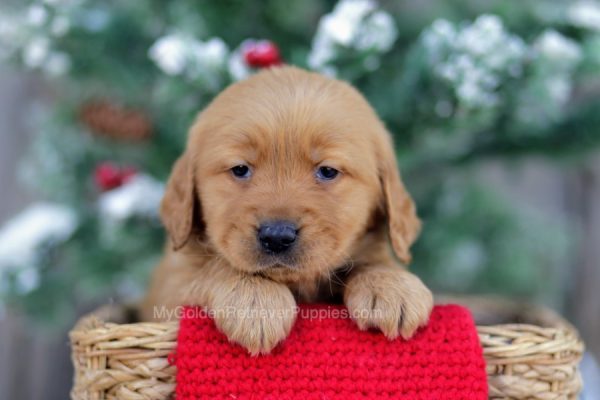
(390,299)
(256,313)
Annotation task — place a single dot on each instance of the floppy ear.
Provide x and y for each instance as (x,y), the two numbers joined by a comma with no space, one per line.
(178,204)
(403,223)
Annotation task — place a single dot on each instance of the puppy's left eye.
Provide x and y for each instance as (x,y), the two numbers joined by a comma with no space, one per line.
(241,171)
(327,173)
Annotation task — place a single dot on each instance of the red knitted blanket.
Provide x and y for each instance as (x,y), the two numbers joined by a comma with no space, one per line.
(326,357)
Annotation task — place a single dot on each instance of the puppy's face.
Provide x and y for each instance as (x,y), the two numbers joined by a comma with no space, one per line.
(284,172)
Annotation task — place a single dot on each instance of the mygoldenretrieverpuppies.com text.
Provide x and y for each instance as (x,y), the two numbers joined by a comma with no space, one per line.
(172,314)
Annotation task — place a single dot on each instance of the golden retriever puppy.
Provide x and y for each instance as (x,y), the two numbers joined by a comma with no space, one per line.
(288,191)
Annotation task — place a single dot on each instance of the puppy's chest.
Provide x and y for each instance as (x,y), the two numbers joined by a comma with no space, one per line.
(325,289)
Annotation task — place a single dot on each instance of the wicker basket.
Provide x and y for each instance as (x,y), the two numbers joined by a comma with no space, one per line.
(531,353)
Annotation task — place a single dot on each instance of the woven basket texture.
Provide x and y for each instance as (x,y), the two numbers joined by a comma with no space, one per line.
(530,353)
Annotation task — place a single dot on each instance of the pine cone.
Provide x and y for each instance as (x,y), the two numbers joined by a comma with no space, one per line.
(115,121)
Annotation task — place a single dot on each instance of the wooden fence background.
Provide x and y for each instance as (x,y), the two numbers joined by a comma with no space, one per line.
(36,365)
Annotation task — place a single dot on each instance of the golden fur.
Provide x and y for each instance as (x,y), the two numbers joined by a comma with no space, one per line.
(285,123)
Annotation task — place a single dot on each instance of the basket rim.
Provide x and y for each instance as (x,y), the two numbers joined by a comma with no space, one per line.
(550,322)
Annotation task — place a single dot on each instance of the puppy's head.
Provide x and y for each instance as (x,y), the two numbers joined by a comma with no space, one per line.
(286,171)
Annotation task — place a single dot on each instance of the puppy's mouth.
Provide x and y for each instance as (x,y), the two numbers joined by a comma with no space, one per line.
(277,262)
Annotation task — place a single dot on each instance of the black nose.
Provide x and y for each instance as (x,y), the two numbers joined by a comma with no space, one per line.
(276,237)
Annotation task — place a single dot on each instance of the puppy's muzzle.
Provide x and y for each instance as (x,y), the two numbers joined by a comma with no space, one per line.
(277,237)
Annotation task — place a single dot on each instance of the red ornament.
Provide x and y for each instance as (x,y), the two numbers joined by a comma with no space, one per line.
(108,175)
(261,54)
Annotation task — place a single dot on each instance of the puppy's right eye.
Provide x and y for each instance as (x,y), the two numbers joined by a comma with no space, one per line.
(327,173)
(241,171)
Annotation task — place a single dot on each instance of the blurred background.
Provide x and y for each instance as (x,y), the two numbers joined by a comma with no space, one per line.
(495,108)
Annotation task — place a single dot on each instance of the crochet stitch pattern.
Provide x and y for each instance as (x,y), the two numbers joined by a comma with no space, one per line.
(329,358)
